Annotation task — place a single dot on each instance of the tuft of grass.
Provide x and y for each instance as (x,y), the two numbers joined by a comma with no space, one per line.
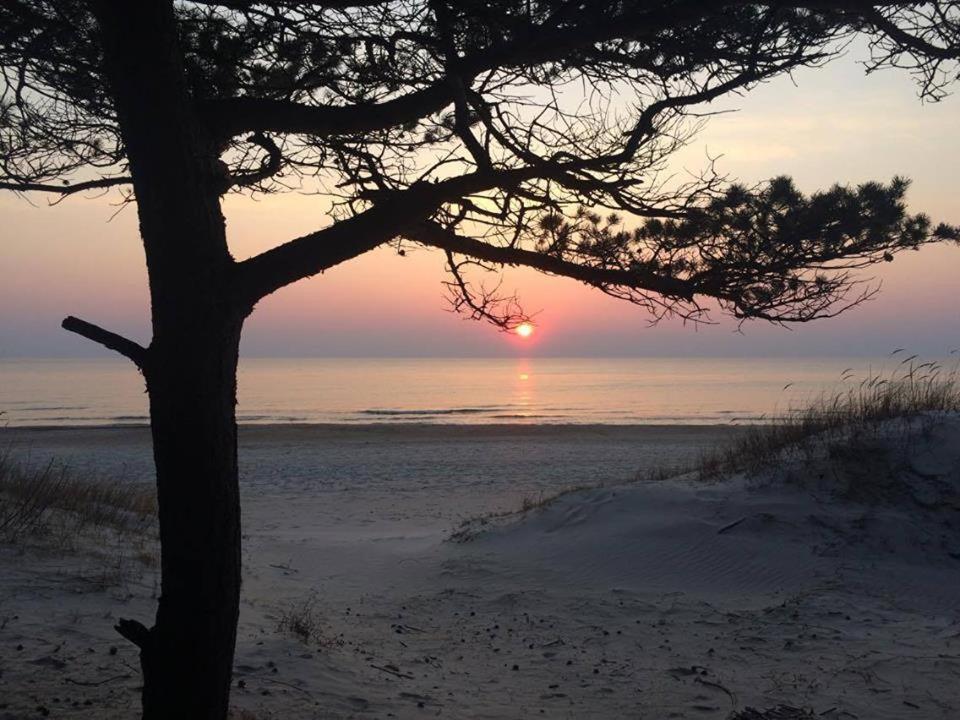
(53,502)
(835,419)
(304,621)
(470,527)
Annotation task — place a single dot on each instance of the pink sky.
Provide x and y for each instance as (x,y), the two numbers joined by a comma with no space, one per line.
(836,126)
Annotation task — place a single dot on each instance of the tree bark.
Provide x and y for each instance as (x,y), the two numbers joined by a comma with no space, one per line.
(188,656)
(190,365)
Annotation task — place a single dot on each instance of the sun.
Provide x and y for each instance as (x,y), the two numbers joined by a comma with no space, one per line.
(524,330)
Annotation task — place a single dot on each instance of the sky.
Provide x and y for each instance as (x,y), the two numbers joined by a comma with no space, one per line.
(821,126)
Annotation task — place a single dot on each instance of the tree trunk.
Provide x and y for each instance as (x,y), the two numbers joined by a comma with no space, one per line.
(190,365)
(188,657)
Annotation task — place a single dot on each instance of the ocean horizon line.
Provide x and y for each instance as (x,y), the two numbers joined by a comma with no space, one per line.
(474,391)
(947,353)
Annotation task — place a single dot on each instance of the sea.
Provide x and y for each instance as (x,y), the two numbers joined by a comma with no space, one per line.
(604,391)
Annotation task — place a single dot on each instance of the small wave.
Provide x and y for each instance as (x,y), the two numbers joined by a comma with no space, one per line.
(521,416)
(268,419)
(59,418)
(49,408)
(427,413)
(69,420)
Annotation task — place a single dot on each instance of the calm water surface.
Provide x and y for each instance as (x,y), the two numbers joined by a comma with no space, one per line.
(442,390)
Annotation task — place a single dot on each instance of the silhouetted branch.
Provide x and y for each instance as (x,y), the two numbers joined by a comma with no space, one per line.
(291,4)
(504,311)
(269,166)
(65,188)
(111,340)
(310,254)
(539,42)
(230,116)
(910,41)
(763,253)
(391,212)
(434,235)
(134,631)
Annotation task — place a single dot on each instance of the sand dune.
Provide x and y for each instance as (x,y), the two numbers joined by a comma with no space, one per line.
(823,583)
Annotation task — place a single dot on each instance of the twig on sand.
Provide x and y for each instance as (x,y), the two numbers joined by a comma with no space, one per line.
(400,627)
(781,712)
(285,684)
(731,526)
(718,686)
(397,673)
(83,683)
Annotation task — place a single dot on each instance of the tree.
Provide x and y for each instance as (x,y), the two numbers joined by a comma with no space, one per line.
(501,132)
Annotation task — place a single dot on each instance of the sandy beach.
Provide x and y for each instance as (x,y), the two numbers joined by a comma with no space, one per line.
(429,477)
(654,599)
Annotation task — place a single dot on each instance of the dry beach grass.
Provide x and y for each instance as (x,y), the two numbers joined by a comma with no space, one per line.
(56,504)
(913,390)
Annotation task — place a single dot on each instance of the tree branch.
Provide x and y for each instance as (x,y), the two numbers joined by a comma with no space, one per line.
(434,235)
(231,116)
(291,4)
(66,189)
(228,117)
(310,254)
(270,166)
(134,631)
(908,40)
(128,348)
